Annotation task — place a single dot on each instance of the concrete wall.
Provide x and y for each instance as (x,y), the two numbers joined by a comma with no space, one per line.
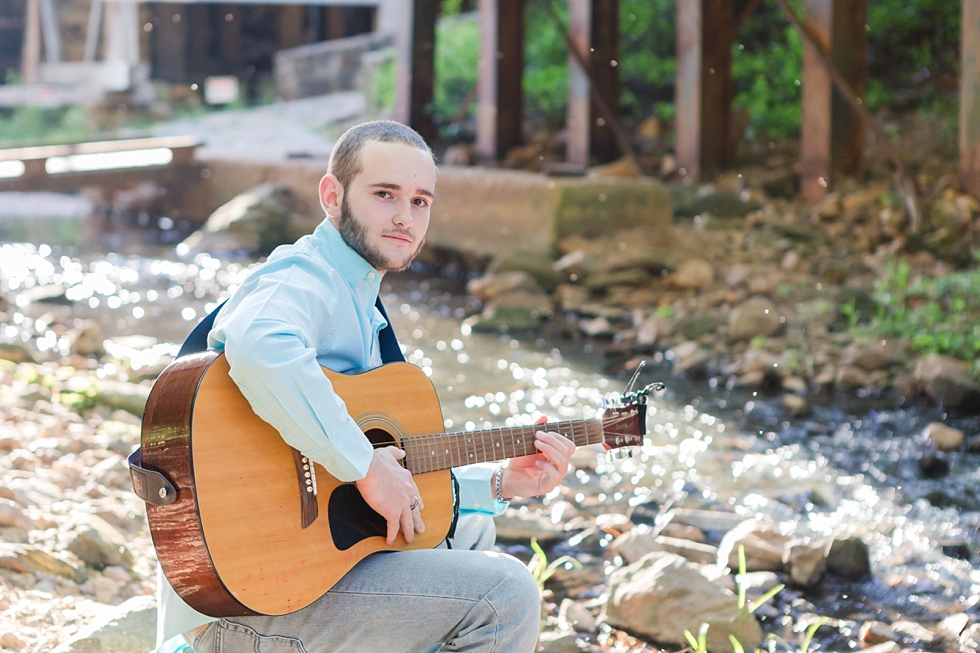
(480,210)
(323,67)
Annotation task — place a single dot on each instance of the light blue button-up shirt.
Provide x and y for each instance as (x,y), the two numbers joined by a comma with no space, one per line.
(310,304)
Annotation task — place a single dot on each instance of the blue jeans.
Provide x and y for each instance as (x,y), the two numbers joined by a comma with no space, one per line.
(467,598)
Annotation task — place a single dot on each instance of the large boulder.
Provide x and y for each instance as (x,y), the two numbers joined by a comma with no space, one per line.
(254,222)
(597,208)
(662,595)
(756,316)
(129,628)
(947,381)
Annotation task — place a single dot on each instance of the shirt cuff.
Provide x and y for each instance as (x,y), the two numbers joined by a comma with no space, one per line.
(476,490)
(348,454)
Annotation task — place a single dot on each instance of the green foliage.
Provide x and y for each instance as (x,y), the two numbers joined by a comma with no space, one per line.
(456,69)
(381,85)
(698,644)
(36,125)
(936,315)
(541,569)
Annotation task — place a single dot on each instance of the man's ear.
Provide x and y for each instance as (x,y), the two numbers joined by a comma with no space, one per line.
(331,196)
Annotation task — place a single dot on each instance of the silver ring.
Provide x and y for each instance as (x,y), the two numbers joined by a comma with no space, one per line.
(414,505)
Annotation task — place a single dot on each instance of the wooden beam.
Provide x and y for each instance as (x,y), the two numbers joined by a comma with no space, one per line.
(423,68)
(94,30)
(170,43)
(704,88)
(500,108)
(817,89)
(970,99)
(579,126)
(849,46)
(31,49)
(605,71)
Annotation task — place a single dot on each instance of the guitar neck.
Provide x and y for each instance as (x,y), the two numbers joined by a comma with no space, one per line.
(431,453)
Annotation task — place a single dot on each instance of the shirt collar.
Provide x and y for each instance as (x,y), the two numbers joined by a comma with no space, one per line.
(351,265)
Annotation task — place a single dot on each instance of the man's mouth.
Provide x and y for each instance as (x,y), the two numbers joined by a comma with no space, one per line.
(402,238)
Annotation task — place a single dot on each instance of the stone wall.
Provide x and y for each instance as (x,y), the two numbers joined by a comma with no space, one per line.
(323,67)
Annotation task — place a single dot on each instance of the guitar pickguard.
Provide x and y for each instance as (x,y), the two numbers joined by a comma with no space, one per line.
(352,519)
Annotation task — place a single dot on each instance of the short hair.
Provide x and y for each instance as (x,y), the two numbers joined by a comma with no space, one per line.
(345,160)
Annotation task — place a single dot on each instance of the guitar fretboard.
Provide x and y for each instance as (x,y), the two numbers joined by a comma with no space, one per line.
(430,453)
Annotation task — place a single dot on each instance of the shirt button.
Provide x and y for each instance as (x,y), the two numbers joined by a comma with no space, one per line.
(370,275)
(476,504)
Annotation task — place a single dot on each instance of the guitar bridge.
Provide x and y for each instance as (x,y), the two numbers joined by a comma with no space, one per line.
(306,475)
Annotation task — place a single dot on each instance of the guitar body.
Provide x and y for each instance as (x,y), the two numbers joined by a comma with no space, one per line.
(233,543)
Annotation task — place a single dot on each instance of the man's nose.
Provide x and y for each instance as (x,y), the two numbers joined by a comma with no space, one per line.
(403,214)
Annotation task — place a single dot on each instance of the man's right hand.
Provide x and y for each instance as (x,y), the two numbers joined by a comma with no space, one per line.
(390,489)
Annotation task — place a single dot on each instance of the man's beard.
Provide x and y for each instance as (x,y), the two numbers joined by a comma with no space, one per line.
(354,234)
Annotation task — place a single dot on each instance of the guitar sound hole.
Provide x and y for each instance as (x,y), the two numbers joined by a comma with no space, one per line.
(351,518)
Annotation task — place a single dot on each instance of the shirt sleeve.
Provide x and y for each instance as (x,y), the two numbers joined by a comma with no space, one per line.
(268,336)
(476,490)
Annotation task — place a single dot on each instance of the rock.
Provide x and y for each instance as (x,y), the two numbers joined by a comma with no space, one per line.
(795,405)
(255,221)
(11,641)
(849,376)
(876,632)
(757,581)
(691,201)
(130,397)
(571,298)
(693,274)
(11,515)
(27,559)
(763,545)
(458,154)
(849,557)
(576,616)
(636,257)
(947,381)
(756,316)
(706,520)
(806,561)
(662,595)
(492,285)
(596,208)
(560,641)
(933,464)
(944,438)
(955,624)
(16,353)
(129,628)
(652,329)
(876,356)
(911,633)
(884,647)
(682,532)
(695,326)
(538,267)
(88,339)
(688,358)
(642,540)
(96,542)
(627,277)
(522,525)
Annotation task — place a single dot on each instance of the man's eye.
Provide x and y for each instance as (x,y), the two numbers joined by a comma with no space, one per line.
(421,202)
(384,194)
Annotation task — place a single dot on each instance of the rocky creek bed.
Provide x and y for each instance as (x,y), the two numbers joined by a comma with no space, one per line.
(863,513)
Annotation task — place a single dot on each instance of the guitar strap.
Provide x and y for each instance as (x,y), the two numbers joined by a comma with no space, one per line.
(153,487)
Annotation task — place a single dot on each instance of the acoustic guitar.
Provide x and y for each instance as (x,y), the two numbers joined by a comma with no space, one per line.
(243,524)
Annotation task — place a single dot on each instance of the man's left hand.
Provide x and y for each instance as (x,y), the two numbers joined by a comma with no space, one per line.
(538,473)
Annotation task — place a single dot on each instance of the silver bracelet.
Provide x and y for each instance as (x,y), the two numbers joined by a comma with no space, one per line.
(496,483)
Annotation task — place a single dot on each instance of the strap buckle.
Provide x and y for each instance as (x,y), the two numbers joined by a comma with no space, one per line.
(149,485)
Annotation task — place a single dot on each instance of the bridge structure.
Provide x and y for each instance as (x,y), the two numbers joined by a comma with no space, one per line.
(107,164)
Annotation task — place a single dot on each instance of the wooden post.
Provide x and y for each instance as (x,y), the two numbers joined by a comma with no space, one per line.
(291,26)
(605,71)
(970,99)
(93,31)
(170,42)
(705,34)
(423,67)
(52,34)
(817,89)
(500,109)
(31,51)
(579,95)
(849,46)
(833,133)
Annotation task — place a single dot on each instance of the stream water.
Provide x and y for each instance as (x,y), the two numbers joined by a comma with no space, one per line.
(849,467)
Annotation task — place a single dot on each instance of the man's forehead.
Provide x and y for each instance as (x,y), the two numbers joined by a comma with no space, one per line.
(394,166)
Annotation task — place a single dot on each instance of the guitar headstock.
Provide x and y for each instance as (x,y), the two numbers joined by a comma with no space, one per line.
(624,419)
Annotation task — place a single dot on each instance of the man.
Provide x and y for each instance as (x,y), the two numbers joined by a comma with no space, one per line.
(311,304)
